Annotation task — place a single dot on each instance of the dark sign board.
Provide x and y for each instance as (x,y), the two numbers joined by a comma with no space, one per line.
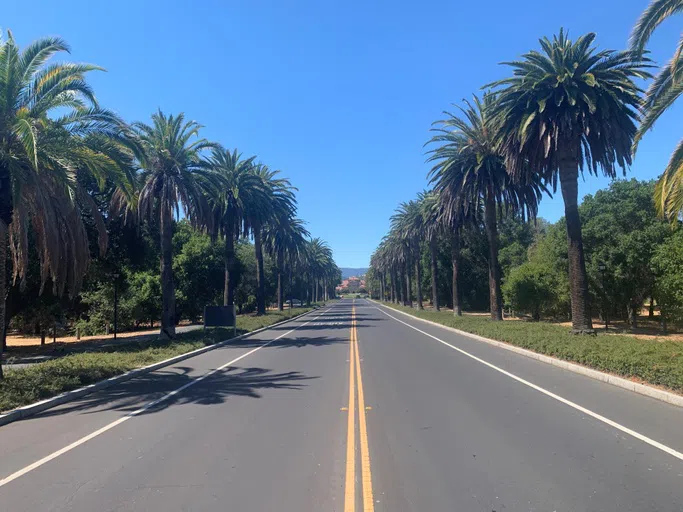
(219,316)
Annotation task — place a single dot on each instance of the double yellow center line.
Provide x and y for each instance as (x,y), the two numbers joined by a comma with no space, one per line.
(366,476)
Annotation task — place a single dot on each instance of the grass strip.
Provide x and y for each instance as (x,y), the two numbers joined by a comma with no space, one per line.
(654,361)
(43,380)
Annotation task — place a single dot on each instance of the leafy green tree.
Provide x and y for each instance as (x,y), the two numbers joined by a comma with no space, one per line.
(540,286)
(661,95)
(470,169)
(173,176)
(47,113)
(567,108)
(667,265)
(245,290)
(621,229)
(530,288)
(197,268)
(142,297)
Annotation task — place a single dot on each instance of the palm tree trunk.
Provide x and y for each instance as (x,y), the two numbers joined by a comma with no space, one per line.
(3,288)
(434,269)
(408,289)
(418,283)
(400,284)
(280,291)
(167,288)
(455,263)
(578,280)
(495,295)
(260,276)
(291,291)
(229,260)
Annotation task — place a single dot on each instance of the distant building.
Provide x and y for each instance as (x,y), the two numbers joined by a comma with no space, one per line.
(351,285)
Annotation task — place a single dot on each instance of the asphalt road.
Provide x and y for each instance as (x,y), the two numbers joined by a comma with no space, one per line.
(351,408)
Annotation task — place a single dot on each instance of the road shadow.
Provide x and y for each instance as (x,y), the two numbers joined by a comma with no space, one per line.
(287,342)
(135,394)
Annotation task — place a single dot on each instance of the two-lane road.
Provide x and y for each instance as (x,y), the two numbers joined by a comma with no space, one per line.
(351,408)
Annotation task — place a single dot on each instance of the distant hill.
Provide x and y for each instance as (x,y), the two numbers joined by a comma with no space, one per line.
(350,272)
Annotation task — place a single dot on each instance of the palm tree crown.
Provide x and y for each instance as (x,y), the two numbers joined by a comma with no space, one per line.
(665,89)
(567,108)
(569,101)
(174,174)
(50,139)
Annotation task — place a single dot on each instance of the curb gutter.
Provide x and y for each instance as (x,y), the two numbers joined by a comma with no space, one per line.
(68,396)
(636,387)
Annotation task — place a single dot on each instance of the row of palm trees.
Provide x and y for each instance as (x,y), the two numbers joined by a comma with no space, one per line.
(566,109)
(59,148)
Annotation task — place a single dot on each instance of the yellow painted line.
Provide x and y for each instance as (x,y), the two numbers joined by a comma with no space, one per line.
(350,487)
(366,474)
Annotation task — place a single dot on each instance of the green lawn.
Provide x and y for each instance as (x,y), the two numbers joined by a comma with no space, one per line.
(43,380)
(658,362)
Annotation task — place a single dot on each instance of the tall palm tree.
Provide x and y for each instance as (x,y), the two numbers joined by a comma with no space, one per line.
(408,224)
(319,261)
(50,123)
(240,188)
(284,238)
(567,108)
(662,93)
(280,202)
(432,226)
(470,170)
(173,176)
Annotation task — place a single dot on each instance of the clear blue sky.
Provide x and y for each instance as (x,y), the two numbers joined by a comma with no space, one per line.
(338,95)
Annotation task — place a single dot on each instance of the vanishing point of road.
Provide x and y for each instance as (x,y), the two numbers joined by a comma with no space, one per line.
(354,407)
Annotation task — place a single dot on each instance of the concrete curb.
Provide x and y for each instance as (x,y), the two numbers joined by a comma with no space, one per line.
(49,403)
(636,387)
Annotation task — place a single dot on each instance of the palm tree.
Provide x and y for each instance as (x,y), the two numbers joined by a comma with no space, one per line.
(50,142)
(173,176)
(662,93)
(407,223)
(319,260)
(240,188)
(566,108)
(470,173)
(280,202)
(284,238)
(432,226)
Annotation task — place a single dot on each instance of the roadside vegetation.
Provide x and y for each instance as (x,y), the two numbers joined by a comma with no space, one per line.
(91,206)
(565,110)
(43,380)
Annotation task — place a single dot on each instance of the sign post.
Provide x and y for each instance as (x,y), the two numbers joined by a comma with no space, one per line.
(221,316)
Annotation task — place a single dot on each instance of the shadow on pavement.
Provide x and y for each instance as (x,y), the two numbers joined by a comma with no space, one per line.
(232,381)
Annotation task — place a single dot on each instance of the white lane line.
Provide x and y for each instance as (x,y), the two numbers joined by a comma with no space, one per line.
(146,407)
(576,406)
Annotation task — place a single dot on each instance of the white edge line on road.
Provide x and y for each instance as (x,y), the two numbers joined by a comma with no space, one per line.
(146,407)
(574,405)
